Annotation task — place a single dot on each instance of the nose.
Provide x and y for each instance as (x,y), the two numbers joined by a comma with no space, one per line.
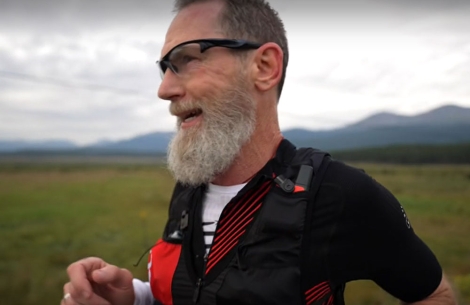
(171,87)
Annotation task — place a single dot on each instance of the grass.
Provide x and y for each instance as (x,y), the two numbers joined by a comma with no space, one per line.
(52,215)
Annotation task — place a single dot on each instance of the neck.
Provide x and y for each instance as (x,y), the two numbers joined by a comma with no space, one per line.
(253,156)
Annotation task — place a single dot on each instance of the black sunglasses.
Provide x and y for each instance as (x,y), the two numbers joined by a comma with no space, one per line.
(175,59)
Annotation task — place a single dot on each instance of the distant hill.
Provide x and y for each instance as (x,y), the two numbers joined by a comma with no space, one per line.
(353,138)
(446,115)
(445,125)
(149,143)
(12,146)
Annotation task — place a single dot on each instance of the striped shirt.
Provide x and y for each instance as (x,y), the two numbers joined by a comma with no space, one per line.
(214,202)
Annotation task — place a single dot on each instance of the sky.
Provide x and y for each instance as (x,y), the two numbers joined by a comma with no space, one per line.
(85,70)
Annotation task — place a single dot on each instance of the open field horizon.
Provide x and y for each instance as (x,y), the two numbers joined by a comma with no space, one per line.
(53,214)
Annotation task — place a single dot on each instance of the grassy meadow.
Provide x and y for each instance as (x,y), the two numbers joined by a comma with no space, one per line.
(53,214)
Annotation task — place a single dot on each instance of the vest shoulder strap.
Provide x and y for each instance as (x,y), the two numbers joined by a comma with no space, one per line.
(178,213)
(311,156)
(319,160)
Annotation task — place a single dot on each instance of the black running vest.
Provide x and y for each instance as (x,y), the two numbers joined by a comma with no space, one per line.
(260,251)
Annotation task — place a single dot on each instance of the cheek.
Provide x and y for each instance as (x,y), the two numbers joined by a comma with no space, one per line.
(207,81)
(220,72)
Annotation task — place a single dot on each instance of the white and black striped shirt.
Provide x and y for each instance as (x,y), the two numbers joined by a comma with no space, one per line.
(214,202)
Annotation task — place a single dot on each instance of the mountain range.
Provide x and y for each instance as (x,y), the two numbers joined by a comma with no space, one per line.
(444,125)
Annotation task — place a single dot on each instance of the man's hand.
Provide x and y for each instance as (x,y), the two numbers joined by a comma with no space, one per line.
(443,295)
(95,282)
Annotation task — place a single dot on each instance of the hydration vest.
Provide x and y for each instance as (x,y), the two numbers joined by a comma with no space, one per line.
(260,253)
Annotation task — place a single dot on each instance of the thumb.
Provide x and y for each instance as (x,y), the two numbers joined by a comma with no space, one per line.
(114,276)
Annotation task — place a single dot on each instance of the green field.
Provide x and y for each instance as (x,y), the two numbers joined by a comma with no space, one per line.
(52,215)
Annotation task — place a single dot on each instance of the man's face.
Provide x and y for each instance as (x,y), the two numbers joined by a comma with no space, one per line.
(216,115)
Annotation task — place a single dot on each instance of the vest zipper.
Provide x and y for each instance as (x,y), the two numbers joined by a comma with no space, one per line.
(197,290)
(200,281)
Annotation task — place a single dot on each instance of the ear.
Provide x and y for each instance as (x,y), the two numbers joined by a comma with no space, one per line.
(267,66)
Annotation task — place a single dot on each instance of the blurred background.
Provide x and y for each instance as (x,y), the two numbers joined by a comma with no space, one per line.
(382,85)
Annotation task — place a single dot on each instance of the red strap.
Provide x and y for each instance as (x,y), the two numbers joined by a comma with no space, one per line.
(163,260)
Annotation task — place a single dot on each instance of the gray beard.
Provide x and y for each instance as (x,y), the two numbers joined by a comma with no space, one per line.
(198,154)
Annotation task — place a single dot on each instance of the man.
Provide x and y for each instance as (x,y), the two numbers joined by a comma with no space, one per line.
(238,232)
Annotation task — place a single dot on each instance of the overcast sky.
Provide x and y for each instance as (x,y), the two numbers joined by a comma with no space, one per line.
(85,70)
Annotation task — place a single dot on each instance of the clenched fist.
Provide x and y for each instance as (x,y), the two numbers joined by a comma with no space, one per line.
(95,282)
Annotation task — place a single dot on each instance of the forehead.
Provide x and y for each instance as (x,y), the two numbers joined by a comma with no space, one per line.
(196,21)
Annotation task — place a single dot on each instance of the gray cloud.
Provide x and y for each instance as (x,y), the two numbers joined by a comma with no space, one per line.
(81,114)
(80,88)
(443,37)
(75,16)
(85,70)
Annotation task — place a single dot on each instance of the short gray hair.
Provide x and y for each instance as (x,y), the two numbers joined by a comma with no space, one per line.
(252,20)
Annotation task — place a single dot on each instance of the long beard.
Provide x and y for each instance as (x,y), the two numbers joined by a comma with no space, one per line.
(198,154)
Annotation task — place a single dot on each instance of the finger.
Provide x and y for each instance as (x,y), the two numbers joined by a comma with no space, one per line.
(94,299)
(67,299)
(67,288)
(113,275)
(79,274)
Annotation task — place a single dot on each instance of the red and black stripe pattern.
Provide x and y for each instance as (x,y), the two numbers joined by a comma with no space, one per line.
(319,292)
(233,223)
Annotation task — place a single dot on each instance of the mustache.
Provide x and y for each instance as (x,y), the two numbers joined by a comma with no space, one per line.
(180,107)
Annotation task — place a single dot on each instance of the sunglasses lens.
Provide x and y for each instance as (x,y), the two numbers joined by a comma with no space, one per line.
(162,68)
